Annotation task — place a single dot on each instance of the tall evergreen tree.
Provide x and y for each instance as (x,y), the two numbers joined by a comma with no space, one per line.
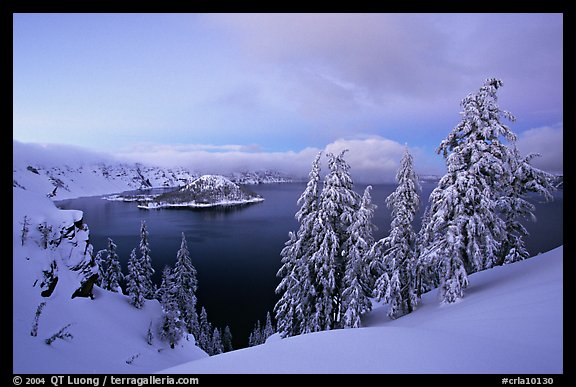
(186,285)
(356,282)
(135,281)
(146,263)
(111,272)
(397,285)
(466,231)
(172,327)
(338,203)
(294,307)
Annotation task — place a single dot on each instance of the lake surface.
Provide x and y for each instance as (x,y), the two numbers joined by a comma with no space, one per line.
(236,250)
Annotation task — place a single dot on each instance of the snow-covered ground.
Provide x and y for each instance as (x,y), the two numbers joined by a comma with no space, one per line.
(510,321)
(109,334)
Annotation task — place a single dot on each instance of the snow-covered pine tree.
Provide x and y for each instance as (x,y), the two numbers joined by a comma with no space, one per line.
(294,306)
(112,274)
(397,285)
(172,327)
(268,328)
(146,263)
(466,231)
(338,203)
(204,339)
(227,339)
(426,274)
(356,283)
(135,281)
(514,206)
(216,346)
(186,284)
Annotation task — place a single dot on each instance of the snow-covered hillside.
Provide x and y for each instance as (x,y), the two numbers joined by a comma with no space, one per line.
(40,170)
(510,321)
(108,334)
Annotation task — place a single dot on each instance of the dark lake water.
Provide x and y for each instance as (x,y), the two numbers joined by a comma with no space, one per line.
(236,250)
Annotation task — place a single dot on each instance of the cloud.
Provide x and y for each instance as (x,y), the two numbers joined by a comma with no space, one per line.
(548,142)
(373,160)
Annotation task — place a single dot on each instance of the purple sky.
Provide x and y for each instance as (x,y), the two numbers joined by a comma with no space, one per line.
(222,91)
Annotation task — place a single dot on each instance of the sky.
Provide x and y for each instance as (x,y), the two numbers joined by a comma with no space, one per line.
(254,91)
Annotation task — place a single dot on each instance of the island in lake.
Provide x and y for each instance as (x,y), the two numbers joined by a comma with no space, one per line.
(206,191)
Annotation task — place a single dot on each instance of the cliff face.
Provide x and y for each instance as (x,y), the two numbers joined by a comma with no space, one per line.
(206,191)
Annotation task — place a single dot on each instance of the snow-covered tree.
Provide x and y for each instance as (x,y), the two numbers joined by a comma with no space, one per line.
(268,328)
(135,280)
(216,346)
(514,206)
(110,272)
(356,282)
(294,307)
(256,336)
(227,339)
(146,263)
(338,203)
(186,285)
(172,327)
(397,283)
(465,228)
(204,339)
(45,232)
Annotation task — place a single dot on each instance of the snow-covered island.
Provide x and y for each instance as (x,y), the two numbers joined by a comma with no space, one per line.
(206,191)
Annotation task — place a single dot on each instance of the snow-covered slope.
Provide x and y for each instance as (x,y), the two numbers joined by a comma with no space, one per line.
(109,334)
(68,174)
(510,321)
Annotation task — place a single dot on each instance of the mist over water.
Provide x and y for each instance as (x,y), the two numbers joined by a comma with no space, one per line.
(236,250)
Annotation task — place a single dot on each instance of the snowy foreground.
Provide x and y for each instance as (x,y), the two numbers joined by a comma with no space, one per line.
(510,321)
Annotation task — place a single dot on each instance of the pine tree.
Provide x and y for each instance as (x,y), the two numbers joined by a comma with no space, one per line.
(356,282)
(256,337)
(397,286)
(294,307)
(513,206)
(146,263)
(466,231)
(111,275)
(172,327)
(227,339)
(338,203)
(186,285)
(204,339)
(216,344)
(268,328)
(135,280)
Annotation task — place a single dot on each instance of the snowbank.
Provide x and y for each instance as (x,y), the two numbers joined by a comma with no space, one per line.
(510,321)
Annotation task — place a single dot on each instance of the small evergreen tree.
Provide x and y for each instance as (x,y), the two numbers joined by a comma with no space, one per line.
(204,340)
(216,344)
(171,327)
(255,337)
(45,232)
(146,263)
(135,281)
(227,339)
(112,273)
(269,329)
